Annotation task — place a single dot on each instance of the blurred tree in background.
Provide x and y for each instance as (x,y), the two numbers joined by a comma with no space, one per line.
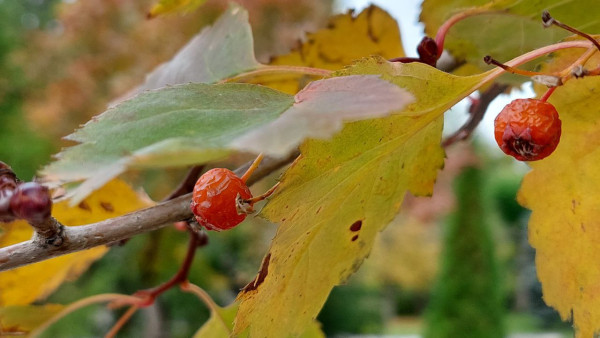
(467,300)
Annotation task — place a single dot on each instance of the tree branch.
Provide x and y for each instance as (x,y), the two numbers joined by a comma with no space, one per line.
(77,238)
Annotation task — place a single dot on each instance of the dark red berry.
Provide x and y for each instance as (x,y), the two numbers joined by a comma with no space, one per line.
(528,129)
(215,199)
(31,201)
(428,51)
(8,184)
(6,214)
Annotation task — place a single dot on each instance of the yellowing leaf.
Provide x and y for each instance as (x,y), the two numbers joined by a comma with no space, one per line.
(26,284)
(22,319)
(220,323)
(340,193)
(174,6)
(346,39)
(563,191)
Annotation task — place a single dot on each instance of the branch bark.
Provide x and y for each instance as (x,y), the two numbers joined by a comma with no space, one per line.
(77,238)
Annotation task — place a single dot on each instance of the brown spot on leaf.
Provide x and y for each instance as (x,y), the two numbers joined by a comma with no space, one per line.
(262,274)
(83,205)
(356,226)
(354,238)
(582,227)
(107,206)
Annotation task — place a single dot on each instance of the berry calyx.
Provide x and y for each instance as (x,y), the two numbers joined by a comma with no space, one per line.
(528,129)
(216,197)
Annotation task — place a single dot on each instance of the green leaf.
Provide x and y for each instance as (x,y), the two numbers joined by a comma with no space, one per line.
(174,126)
(220,51)
(340,193)
(509,29)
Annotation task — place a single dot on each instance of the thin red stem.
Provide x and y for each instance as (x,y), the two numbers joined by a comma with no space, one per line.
(181,276)
(257,199)
(445,27)
(547,94)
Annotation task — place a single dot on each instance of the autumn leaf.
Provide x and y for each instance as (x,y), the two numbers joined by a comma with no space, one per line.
(22,319)
(220,323)
(563,192)
(26,284)
(508,29)
(347,38)
(340,193)
(174,6)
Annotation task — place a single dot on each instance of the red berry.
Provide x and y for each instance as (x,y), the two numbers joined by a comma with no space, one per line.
(31,201)
(428,51)
(6,214)
(214,201)
(528,129)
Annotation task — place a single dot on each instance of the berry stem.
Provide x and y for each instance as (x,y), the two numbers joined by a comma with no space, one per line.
(570,71)
(148,296)
(102,298)
(534,54)
(252,167)
(48,231)
(491,61)
(271,69)
(257,199)
(548,21)
(547,94)
(445,27)
(121,322)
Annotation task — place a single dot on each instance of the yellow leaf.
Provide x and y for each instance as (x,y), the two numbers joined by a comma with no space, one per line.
(563,191)
(174,6)
(346,38)
(339,194)
(26,284)
(22,319)
(220,323)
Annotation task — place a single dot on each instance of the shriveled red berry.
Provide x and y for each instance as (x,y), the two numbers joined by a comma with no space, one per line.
(214,201)
(528,129)
(31,201)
